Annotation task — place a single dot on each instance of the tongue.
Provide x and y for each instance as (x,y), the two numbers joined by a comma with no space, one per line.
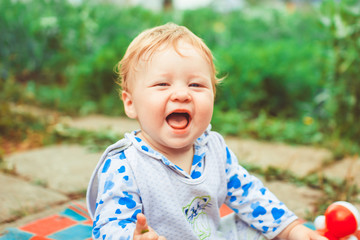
(177,120)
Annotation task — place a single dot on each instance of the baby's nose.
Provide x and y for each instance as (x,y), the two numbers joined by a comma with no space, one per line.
(182,95)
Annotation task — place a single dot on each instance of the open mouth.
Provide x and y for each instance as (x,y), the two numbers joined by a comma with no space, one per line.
(178,120)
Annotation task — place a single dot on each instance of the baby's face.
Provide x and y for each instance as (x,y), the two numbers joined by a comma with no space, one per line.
(172,98)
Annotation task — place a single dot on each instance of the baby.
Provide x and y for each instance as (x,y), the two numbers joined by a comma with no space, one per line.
(169,179)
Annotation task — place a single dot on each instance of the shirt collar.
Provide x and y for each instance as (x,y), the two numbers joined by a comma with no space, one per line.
(142,146)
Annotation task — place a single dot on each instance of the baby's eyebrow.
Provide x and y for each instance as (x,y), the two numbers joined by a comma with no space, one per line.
(200,76)
(164,74)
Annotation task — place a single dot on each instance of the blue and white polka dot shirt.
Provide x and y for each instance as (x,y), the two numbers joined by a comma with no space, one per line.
(133,178)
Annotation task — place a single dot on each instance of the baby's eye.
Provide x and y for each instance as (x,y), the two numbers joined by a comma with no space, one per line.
(162,84)
(195,85)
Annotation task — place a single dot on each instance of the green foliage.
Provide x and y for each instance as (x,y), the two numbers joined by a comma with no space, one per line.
(342,19)
(79,46)
(32,35)
(62,52)
(93,79)
(272,77)
(280,67)
(302,131)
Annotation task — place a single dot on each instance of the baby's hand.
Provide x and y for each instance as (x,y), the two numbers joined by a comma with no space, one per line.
(143,231)
(297,231)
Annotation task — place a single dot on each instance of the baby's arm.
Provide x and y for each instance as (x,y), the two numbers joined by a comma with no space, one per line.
(297,231)
(253,202)
(118,200)
(245,190)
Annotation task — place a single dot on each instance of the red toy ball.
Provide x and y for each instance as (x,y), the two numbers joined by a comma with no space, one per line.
(341,220)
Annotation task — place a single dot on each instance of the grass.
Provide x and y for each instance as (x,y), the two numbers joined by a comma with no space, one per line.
(96,141)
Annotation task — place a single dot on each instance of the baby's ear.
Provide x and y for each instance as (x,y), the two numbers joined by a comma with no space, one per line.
(128,105)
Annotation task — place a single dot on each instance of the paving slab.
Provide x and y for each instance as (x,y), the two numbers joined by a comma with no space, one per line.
(301,160)
(348,168)
(19,198)
(119,125)
(64,168)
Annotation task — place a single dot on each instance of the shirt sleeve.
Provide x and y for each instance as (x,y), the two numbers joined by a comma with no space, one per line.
(118,200)
(253,202)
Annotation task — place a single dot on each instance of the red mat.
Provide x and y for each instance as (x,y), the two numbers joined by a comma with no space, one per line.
(73,223)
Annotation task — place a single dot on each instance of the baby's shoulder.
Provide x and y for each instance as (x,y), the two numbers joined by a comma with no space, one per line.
(118,147)
(113,155)
(215,138)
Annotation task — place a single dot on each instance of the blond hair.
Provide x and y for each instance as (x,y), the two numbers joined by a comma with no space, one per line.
(147,42)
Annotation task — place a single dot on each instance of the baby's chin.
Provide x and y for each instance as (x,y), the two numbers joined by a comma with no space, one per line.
(167,142)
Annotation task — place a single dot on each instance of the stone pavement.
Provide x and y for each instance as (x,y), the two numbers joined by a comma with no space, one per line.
(42,180)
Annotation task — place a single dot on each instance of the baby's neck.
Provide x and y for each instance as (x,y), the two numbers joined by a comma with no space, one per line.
(182,159)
